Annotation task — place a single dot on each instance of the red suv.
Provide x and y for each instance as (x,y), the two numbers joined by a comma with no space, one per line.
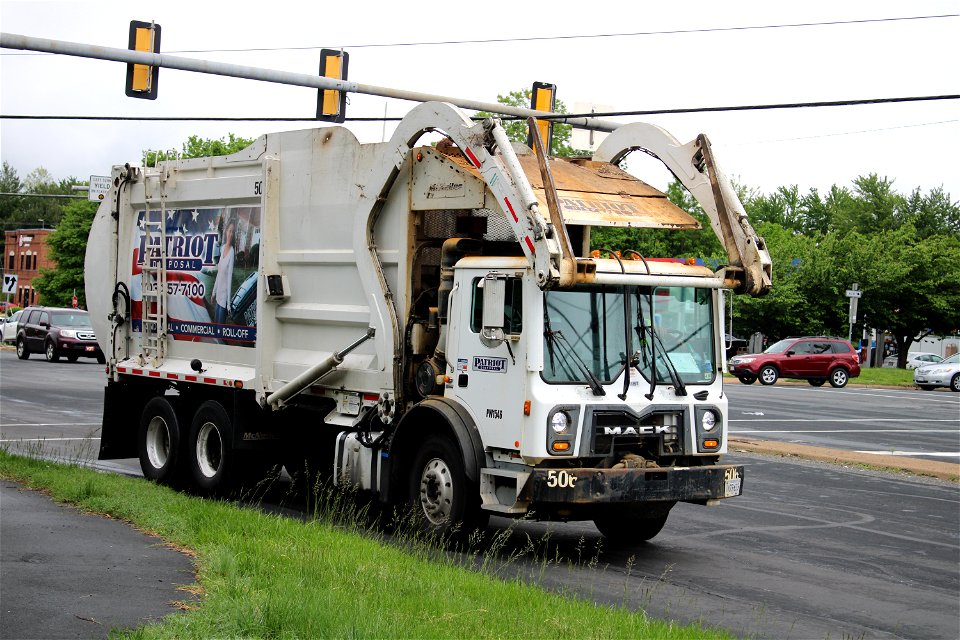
(815,359)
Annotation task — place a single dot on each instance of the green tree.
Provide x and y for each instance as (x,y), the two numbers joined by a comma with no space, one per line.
(197,147)
(68,245)
(517,129)
(9,204)
(30,208)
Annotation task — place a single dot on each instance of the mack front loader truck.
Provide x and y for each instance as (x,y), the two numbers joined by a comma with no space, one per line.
(425,323)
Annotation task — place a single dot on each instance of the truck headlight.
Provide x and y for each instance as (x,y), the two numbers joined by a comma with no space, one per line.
(560,422)
(708,421)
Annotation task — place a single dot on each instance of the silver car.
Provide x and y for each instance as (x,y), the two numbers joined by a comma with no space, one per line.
(941,374)
(10,327)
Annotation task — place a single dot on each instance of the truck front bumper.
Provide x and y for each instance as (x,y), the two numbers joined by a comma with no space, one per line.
(584,487)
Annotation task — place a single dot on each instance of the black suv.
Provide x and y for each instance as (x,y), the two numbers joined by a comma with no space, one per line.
(57,332)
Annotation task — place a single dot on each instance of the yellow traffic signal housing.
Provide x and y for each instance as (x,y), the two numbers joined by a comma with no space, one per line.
(141,78)
(543,97)
(332,104)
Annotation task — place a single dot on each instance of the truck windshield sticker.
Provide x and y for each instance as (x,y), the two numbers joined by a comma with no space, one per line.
(211,260)
(493,365)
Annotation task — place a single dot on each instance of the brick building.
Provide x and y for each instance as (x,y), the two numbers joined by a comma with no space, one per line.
(25,252)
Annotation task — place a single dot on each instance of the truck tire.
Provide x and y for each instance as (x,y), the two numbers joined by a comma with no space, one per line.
(210,453)
(22,352)
(839,378)
(159,441)
(632,525)
(768,375)
(445,503)
(50,351)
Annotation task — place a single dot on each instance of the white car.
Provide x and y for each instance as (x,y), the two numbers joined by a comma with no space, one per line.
(10,327)
(941,374)
(914,359)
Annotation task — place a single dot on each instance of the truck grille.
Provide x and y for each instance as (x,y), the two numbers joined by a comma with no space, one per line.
(86,335)
(616,430)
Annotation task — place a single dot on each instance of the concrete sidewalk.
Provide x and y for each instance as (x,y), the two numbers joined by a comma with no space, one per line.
(66,574)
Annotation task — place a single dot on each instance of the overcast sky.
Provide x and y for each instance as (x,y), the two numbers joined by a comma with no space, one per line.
(915,144)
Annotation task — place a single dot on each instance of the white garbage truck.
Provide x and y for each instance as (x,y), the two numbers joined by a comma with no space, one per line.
(423,322)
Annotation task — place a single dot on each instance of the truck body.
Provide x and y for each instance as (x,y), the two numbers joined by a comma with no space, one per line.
(426,324)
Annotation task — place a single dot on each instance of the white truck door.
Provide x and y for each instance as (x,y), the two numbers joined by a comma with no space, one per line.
(490,380)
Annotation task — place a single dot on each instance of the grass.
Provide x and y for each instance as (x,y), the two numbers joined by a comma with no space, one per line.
(871,377)
(262,575)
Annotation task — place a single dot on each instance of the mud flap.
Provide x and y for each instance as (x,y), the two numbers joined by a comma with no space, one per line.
(122,407)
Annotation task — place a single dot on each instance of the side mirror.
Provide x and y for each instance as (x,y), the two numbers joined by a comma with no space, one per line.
(494,287)
(790,353)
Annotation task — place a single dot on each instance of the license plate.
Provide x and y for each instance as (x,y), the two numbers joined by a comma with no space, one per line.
(732,483)
(90,348)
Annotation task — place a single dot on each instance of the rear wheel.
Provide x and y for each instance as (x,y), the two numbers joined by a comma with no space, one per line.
(211,456)
(955,383)
(445,502)
(839,378)
(745,379)
(159,441)
(638,524)
(50,350)
(817,382)
(768,375)
(22,352)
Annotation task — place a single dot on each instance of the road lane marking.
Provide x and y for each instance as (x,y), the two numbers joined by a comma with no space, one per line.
(50,424)
(893,394)
(939,454)
(45,439)
(910,419)
(735,432)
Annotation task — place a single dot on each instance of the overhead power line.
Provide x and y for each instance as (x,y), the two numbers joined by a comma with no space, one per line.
(631,34)
(559,117)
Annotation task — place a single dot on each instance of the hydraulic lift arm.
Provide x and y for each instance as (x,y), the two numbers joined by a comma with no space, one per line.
(694,166)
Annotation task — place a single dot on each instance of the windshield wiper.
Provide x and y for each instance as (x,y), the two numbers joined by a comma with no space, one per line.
(552,336)
(671,369)
(642,330)
(592,380)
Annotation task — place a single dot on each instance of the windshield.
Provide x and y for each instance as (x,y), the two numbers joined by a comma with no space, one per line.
(70,319)
(584,329)
(954,359)
(779,347)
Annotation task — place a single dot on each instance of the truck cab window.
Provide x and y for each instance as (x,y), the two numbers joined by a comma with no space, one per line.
(512,309)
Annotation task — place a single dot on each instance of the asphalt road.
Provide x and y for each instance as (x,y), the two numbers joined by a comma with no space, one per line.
(903,422)
(809,551)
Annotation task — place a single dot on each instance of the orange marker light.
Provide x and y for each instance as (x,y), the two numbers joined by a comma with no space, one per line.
(561,446)
(526,407)
(711,444)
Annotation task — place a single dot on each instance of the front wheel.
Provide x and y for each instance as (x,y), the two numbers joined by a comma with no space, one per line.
(817,382)
(445,502)
(159,441)
(638,524)
(22,352)
(50,350)
(768,375)
(955,383)
(745,379)
(839,378)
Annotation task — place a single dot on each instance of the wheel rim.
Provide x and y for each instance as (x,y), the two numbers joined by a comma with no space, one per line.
(21,347)
(768,375)
(955,383)
(158,442)
(840,377)
(209,450)
(50,351)
(436,491)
